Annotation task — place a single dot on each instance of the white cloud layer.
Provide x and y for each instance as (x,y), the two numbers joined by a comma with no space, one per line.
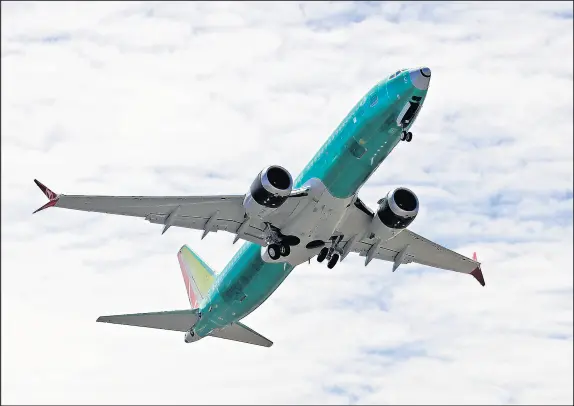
(193,98)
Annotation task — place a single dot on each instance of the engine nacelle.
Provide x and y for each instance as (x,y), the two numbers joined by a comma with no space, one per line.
(396,211)
(268,191)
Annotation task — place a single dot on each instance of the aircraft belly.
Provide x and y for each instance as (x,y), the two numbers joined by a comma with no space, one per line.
(259,279)
(318,219)
(242,287)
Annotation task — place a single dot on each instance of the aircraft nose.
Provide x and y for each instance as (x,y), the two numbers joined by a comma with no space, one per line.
(420,77)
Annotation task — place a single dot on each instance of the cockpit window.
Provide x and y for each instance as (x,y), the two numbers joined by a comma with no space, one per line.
(373,100)
(397,73)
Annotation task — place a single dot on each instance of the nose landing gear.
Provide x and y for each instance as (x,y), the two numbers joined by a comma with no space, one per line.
(406,136)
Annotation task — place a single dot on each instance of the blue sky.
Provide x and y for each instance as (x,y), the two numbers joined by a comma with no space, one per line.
(132,98)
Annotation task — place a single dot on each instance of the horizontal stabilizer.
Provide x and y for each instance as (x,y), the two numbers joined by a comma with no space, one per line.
(176,320)
(240,332)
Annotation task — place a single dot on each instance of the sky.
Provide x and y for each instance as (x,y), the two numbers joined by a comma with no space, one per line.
(175,98)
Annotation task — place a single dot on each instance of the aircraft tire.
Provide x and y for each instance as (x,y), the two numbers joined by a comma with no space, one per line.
(322,254)
(274,251)
(284,250)
(409,136)
(333,261)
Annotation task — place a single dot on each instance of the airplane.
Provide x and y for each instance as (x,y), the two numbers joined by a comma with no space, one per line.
(285,223)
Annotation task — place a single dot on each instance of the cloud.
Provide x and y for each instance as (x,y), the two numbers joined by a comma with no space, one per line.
(171,98)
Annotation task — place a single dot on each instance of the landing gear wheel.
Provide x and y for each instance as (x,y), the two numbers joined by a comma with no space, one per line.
(333,261)
(274,251)
(322,254)
(284,250)
(409,136)
(403,135)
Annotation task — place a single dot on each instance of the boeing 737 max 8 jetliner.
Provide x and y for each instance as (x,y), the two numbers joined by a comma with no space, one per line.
(286,222)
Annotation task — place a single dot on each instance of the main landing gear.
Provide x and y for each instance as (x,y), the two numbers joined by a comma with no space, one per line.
(331,253)
(275,251)
(324,253)
(279,245)
(406,136)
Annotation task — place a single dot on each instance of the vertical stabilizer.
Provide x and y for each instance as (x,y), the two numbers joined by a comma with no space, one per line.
(197,275)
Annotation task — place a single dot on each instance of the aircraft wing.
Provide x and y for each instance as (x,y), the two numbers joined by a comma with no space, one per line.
(207,213)
(409,247)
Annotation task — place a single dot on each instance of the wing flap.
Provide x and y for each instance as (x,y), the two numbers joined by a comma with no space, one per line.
(251,233)
(176,320)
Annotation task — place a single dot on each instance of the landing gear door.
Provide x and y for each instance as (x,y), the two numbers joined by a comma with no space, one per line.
(408,113)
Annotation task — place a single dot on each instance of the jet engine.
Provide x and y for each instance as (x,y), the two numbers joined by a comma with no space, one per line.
(268,191)
(396,211)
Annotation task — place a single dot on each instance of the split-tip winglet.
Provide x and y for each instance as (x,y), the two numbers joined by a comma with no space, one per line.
(52,197)
(477,273)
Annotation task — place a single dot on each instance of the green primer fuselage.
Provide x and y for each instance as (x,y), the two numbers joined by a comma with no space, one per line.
(343,164)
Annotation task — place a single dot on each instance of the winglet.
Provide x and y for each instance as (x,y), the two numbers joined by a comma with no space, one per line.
(477,273)
(53,197)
